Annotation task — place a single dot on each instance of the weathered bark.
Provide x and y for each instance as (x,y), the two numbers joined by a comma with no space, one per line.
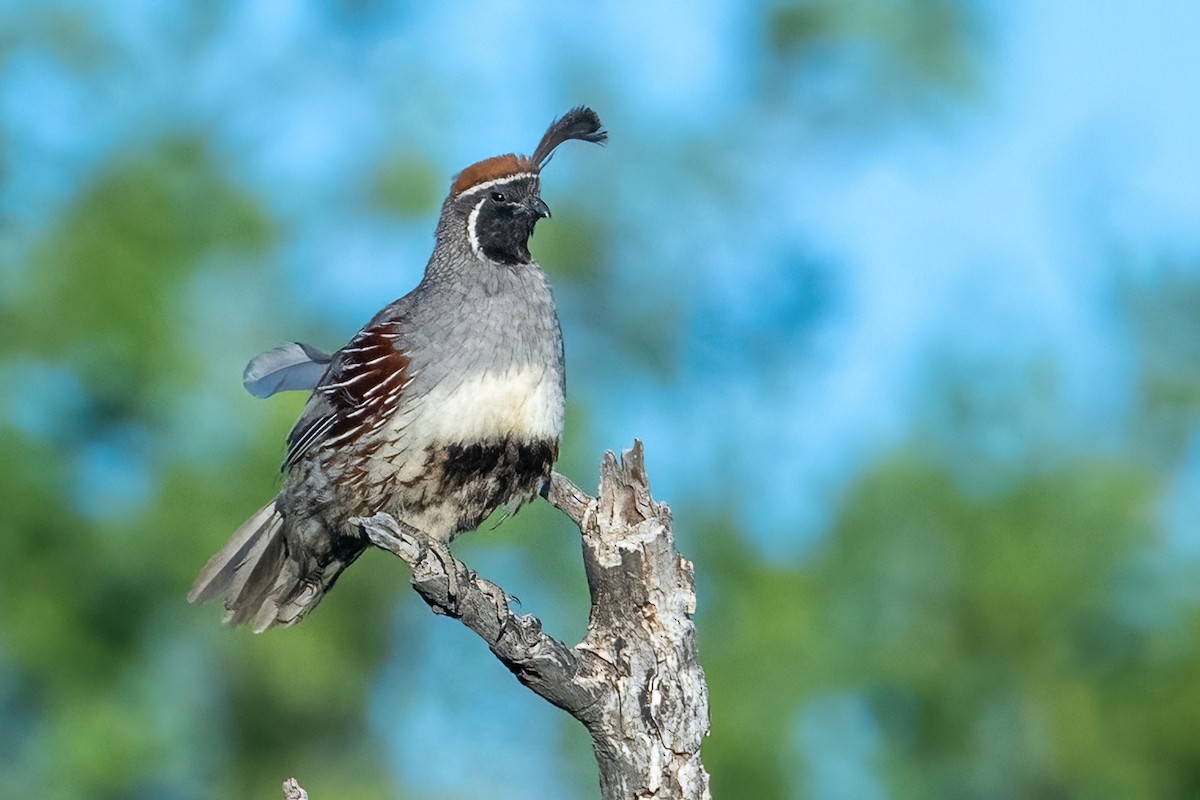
(293,791)
(634,681)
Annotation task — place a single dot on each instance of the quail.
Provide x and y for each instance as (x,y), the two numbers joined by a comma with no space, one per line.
(445,407)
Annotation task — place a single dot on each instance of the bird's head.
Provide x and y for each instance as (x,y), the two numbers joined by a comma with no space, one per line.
(497,202)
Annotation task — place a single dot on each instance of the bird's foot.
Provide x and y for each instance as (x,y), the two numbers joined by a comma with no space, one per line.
(450,567)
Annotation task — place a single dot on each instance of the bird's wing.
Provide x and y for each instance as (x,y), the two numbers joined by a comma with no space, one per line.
(289,367)
(358,393)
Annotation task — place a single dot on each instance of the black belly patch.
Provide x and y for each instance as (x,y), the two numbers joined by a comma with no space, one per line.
(482,476)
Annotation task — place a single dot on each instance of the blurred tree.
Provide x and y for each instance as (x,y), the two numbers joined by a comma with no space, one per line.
(111,699)
(1031,637)
(866,65)
(1021,644)
(1164,317)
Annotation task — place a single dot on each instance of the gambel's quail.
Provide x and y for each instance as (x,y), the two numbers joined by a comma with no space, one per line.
(445,407)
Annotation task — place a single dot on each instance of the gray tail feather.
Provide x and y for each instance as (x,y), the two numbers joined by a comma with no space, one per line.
(261,581)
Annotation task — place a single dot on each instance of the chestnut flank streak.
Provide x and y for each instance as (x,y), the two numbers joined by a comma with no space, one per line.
(363,385)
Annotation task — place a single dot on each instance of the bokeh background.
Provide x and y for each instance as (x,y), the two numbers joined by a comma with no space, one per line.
(902,295)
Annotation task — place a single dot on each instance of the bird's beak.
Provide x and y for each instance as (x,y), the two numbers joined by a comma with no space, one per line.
(539,207)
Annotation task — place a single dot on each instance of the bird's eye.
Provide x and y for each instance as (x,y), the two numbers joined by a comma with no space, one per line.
(498,197)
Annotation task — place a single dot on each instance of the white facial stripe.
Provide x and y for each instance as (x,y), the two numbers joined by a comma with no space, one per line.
(471,219)
(479,187)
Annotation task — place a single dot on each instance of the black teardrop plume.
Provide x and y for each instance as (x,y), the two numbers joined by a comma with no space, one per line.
(579,123)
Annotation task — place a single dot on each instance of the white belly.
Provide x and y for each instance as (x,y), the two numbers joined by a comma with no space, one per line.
(525,402)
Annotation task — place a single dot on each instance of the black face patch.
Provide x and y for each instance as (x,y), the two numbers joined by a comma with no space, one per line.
(503,233)
(504,217)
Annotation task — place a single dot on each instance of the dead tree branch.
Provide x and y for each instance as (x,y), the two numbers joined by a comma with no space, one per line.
(292,790)
(634,681)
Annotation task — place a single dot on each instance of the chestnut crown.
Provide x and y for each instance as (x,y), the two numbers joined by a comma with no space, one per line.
(580,123)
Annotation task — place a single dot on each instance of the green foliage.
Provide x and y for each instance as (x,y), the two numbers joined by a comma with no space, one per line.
(894,58)
(114,268)
(66,32)
(121,679)
(408,187)
(1166,319)
(574,247)
(1003,643)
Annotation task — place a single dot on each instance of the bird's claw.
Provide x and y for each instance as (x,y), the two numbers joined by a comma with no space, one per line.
(450,568)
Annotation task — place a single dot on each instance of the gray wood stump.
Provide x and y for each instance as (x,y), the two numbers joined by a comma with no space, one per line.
(634,681)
